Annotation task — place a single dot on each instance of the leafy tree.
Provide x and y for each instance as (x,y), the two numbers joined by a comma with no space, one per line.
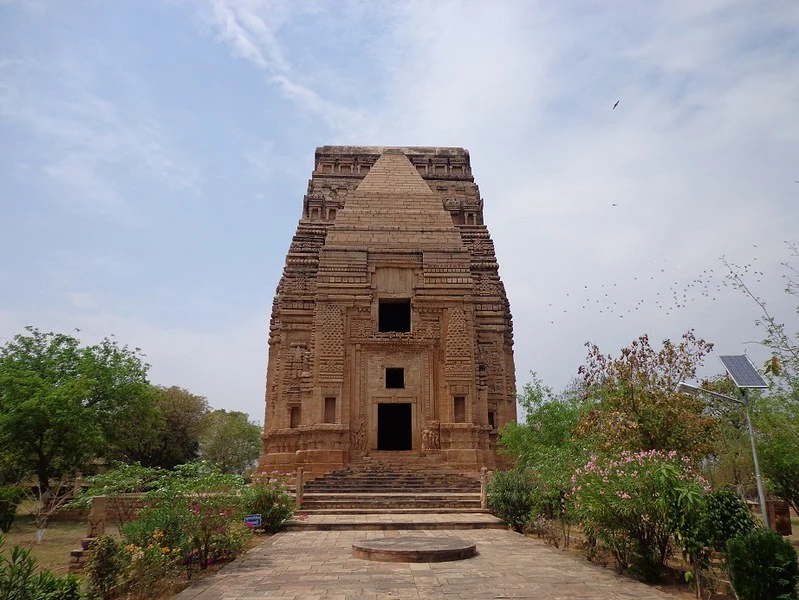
(638,406)
(230,440)
(59,401)
(176,429)
(778,450)
(546,452)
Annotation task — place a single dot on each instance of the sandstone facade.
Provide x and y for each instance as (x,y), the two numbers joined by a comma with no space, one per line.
(390,329)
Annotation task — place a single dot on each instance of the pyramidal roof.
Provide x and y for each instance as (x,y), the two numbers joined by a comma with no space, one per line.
(393,203)
(393,172)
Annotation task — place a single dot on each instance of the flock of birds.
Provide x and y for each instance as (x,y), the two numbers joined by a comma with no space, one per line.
(658,288)
(613,299)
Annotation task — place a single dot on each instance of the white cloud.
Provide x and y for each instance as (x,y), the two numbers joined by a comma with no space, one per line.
(83,134)
(252,29)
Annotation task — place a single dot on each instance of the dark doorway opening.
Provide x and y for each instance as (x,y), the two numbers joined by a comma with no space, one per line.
(394,426)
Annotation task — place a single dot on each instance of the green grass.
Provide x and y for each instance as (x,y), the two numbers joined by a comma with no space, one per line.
(59,539)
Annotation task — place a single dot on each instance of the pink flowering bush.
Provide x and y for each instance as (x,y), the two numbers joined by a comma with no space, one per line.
(626,502)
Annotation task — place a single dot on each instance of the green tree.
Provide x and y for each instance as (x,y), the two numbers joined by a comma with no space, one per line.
(638,406)
(230,441)
(177,429)
(546,454)
(59,401)
(778,449)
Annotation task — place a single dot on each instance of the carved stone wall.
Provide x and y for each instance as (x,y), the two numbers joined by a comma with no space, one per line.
(388,224)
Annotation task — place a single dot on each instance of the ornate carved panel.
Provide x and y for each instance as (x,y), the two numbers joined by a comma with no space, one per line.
(458,346)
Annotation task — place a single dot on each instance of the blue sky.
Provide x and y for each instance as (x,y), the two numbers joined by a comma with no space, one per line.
(154,156)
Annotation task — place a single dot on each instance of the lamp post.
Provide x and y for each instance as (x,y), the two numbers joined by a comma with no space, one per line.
(695,390)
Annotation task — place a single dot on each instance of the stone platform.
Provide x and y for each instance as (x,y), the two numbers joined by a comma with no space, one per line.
(318,565)
(414,549)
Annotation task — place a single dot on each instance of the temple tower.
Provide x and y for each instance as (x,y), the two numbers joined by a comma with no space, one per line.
(390,328)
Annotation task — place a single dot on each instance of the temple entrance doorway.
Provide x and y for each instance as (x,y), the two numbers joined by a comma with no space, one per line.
(394,426)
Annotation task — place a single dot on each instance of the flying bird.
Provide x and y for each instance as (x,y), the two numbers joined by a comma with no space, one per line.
(615,105)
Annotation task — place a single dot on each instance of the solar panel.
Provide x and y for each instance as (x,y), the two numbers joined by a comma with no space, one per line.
(743,372)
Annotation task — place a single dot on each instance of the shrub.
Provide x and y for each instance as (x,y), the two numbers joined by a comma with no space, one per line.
(627,502)
(510,498)
(104,568)
(18,581)
(166,517)
(270,499)
(705,522)
(149,565)
(727,516)
(10,497)
(762,566)
(121,479)
(197,509)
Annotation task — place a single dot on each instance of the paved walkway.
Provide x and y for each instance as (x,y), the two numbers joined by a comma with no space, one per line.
(319,565)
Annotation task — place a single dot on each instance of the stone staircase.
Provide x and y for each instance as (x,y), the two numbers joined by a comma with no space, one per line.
(375,493)
(391,485)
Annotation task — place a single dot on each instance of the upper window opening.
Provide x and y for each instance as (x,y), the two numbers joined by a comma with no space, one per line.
(459,409)
(394,315)
(395,378)
(330,410)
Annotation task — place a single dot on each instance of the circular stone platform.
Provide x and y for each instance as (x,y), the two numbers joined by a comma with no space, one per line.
(414,549)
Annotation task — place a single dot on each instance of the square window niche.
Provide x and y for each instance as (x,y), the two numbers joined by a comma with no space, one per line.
(394,314)
(395,378)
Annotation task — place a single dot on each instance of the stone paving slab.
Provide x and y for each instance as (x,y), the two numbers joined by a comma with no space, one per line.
(318,565)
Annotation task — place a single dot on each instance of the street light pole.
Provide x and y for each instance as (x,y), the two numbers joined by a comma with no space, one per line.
(692,389)
(758,479)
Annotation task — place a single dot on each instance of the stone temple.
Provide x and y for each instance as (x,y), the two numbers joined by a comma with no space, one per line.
(391,333)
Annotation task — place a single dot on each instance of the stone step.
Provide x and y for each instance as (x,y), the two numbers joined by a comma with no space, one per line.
(368,488)
(392,484)
(404,494)
(414,522)
(395,511)
(390,504)
(384,489)
(392,480)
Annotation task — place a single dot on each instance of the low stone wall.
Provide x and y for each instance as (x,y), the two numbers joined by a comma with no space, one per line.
(125,503)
